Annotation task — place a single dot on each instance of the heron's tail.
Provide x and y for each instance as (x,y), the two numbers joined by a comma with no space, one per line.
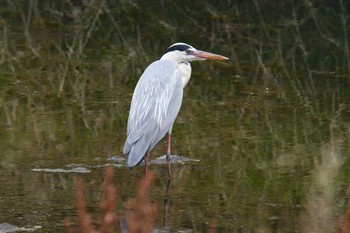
(135,151)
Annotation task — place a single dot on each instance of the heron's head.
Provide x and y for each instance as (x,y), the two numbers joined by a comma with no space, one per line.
(181,52)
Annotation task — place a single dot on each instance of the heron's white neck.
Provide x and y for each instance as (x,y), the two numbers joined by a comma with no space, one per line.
(183,65)
(172,56)
(186,70)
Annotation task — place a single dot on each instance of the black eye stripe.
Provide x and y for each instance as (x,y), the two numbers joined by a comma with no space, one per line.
(180,47)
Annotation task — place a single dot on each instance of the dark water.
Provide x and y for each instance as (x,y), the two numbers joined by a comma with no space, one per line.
(269,129)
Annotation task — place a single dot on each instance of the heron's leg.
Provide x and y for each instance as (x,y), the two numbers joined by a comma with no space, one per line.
(146,163)
(168,153)
(168,149)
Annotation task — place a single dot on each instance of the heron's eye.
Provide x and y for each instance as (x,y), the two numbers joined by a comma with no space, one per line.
(189,51)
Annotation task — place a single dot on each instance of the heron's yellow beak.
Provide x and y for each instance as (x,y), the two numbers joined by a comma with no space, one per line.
(207,55)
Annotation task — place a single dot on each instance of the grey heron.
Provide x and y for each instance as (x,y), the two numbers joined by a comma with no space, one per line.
(157,100)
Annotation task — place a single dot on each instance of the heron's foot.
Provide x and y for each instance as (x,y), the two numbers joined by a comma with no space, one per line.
(168,165)
(174,159)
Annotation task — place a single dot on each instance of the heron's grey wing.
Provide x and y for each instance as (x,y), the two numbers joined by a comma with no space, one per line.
(154,107)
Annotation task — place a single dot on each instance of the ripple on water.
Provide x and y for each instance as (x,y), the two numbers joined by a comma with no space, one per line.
(61,170)
(7,228)
(160,160)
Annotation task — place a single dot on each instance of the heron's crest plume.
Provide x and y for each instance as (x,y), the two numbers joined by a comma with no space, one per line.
(179,52)
(179,46)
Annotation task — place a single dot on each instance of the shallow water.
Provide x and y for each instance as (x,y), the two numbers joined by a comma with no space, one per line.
(252,170)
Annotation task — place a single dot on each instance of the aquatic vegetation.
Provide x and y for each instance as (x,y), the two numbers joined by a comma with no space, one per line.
(138,214)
